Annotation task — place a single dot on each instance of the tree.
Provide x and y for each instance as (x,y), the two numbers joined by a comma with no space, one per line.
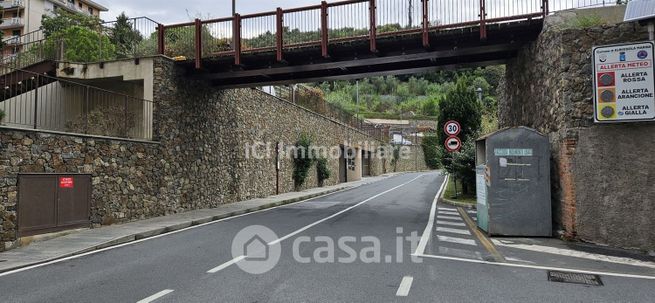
(82,44)
(62,20)
(125,37)
(461,166)
(461,104)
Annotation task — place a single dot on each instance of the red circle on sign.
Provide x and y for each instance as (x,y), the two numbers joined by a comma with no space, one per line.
(453,144)
(452,128)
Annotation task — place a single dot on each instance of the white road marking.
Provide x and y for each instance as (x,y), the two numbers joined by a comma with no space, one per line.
(452,213)
(341,212)
(450,223)
(237,259)
(518,260)
(226,264)
(449,218)
(457,240)
(601,273)
(420,249)
(58,260)
(462,253)
(447,208)
(156,296)
(577,254)
(454,231)
(405,286)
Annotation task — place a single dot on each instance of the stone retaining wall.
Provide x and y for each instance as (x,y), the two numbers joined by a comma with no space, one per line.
(198,159)
(602,174)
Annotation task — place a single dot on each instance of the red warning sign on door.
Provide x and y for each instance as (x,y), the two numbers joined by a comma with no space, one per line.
(66,182)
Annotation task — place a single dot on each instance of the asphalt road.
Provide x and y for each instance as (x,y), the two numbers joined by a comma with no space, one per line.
(198,265)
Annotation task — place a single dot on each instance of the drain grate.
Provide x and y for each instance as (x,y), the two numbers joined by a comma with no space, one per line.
(575,278)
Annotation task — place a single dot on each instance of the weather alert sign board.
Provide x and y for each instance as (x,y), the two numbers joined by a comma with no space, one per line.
(624,87)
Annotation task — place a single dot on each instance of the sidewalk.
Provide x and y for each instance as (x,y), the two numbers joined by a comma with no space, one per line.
(88,240)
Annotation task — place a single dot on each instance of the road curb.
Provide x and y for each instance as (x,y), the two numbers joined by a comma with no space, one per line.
(458,204)
(160,230)
(178,226)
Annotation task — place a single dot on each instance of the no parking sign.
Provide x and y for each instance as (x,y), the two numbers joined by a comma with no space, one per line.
(453,144)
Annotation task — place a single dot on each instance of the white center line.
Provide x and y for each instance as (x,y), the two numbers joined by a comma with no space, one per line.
(239,258)
(405,286)
(226,264)
(156,296)
(454,230)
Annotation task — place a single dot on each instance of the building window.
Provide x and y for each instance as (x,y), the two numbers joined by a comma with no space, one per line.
(15,33)
(91,10)
(80,3)
(71,1)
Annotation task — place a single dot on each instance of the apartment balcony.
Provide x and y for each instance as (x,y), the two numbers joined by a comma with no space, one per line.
(12,23)
(9,5)
(71,7)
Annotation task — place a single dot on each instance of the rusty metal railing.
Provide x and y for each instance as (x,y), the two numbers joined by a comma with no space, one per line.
(326,23)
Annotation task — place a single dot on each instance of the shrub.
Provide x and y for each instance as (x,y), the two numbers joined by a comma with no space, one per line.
(430,146)
(2,115)
(302,160)
(322,170)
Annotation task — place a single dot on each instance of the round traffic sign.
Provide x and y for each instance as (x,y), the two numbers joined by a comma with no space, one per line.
(452,128)
(453,144)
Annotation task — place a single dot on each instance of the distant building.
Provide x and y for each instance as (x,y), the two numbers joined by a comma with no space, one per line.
(20,17)
(405,132)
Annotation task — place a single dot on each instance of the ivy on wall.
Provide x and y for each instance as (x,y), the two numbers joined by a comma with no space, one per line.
(302,160)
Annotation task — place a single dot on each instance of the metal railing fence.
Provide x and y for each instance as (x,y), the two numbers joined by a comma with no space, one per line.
(349,20)
(310,99)
(36,101)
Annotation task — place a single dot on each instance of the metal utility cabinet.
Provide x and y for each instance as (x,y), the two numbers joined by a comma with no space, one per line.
(513,183)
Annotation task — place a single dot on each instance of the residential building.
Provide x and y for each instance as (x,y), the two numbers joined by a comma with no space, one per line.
(20,17)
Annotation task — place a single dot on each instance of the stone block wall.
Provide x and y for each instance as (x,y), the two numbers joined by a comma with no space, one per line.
(600,173)
(197,159)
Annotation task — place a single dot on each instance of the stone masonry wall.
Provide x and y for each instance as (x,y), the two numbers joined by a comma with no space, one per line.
(197,160)
(601,177)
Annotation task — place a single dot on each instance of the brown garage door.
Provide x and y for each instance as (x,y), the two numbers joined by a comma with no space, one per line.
(49,203)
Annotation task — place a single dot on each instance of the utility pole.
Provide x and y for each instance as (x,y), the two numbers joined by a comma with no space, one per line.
(234,7)
(411,8)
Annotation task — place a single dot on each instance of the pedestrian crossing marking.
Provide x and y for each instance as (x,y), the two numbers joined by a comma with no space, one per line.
(453,213)
(462,253)
(447,208)
(451,223)
(449,217)
(454,231)
(457,240)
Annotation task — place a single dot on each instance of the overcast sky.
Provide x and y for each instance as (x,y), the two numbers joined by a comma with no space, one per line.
(167,12)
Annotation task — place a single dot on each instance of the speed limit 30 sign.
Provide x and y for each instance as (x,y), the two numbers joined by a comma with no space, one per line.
(452,128)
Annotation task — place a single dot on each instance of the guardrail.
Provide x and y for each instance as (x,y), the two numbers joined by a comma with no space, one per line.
(35,101)
(320,25)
